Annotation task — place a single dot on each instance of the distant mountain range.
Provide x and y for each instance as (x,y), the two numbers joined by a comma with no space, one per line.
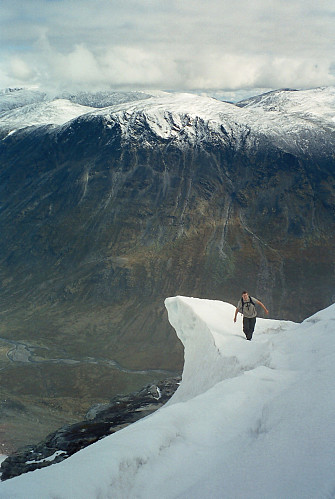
(110,202)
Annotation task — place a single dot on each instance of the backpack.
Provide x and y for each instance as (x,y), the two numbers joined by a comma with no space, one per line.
(243,302)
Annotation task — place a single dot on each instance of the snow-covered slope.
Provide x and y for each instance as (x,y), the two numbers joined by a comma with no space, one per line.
(194,120)
(104,99)
(250,419)
(316,104)
(292,121)
(21,107)
(54,112)
(11,98)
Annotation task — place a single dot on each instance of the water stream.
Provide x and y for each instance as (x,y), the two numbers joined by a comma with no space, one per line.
(24,353)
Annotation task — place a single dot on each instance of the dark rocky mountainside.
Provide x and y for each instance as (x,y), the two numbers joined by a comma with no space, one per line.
(104,216)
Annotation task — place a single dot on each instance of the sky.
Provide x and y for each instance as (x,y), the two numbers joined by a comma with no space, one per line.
(249,420)
(167,44)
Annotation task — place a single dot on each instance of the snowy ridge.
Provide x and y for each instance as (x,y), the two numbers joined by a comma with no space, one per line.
(105,99)
(56,112)
(175,116)
(197,323)
(264,427)
(291,120)
(20,108)
(316,104)
(11,98)
(191,120)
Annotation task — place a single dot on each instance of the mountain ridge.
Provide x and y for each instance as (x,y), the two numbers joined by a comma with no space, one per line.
(175,116)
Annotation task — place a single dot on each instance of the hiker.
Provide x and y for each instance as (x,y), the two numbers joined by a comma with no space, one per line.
(246,306)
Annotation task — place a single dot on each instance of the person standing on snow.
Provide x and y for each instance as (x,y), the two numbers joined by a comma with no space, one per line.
(246,306)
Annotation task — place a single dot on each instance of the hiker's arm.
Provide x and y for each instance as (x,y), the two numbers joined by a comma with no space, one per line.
(263,306)
(236,312)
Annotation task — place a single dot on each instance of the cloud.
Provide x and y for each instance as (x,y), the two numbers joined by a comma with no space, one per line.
(184,45)
(20,70)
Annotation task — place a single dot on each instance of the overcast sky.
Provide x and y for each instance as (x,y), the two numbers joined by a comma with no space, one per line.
(171,44)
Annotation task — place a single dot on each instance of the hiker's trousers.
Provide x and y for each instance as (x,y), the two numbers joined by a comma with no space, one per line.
(249,326)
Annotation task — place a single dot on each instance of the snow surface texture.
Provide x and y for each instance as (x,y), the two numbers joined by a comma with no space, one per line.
(314,104)
(55,112)
(250,420)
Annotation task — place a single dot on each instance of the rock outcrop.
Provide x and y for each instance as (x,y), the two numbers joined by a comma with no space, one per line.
(100,422)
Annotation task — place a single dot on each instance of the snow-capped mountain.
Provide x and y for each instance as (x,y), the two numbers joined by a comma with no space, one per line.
(250,419)
(295,121)
(21,107)
(55,112)
(297,127)
(105,99)
(316,105)
(11,98)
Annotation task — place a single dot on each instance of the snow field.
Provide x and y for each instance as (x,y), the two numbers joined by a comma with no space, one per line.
(250,419)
